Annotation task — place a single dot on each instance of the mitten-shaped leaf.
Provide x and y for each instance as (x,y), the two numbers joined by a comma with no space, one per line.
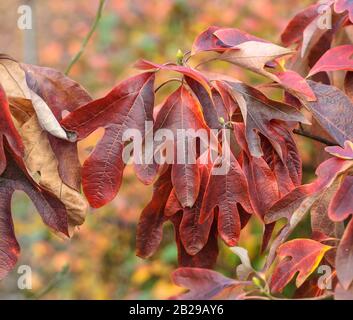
(127,106)
(258,111)
(304,257)
(61,94)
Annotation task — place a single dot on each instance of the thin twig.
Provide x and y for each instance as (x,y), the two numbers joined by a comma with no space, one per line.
(306,134)
(53,283)
(87,38)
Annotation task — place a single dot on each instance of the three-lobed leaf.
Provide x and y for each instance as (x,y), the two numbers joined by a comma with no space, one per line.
(304,257)
(258,111)
(127,106)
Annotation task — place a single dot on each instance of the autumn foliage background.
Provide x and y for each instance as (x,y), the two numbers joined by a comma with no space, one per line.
(100,261)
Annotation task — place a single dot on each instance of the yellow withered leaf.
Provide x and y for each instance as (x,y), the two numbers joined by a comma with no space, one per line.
(13,78)
(42,164)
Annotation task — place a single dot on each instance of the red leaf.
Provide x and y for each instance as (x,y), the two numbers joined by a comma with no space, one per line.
(327,173)
(287,205)
(344,257)
(333,110)
(207,104)
(341,206)
(309,289)
(61,94)
(69,95)
(207,41)
(206,257)
(288,165)
(232,37)
(9,247)
(321,40)
(50,208)
(294,30)
(348,85)
(181,112)
(321,225)
(305,256)
(225,192)
(338,58)
(329,170)
(127,106)
(150,227)
(204,284)
(345,153)
(193,235)
(291,80)
(344,5)
(8,131)
(226,106)
(258,111)
(263,188)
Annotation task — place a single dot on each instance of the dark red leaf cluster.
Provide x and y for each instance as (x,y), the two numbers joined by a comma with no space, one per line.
(252,137)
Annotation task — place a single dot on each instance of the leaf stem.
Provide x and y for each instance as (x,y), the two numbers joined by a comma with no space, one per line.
(204,62)
(87,38)
(166,82)
(306,134)
(187,56)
